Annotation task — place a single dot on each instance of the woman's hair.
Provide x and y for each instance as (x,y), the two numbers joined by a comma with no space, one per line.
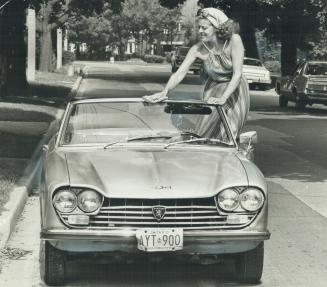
(227,29)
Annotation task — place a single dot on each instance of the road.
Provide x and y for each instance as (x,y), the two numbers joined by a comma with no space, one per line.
(290,152)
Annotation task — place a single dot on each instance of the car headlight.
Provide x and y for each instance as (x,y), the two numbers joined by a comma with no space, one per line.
(252,199)
(65,201)
(228,199)
(89,200)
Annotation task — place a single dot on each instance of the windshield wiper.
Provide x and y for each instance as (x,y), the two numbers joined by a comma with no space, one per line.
(186,133)
(138,138)
(198,140)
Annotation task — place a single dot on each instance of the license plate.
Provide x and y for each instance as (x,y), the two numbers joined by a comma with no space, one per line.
(159,239)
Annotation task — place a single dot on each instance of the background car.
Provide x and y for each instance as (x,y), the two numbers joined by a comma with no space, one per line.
(178,57)
(307,85)
(256,74)
(123,178)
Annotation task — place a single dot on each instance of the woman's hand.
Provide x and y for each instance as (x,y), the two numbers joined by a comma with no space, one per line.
(216,101)
(155,98)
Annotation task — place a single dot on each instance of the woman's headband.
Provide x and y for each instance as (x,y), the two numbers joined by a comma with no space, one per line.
(215,16)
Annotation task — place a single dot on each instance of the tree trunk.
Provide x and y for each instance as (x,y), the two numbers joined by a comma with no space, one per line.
(245,16)
(46,51)
(288,53)
(248,36)
(46,40)
(12,49)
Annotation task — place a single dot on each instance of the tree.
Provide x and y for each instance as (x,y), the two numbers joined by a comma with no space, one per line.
(189,10)
(171,3)
(146,20)
(12,48)
(52,14)
(319,45)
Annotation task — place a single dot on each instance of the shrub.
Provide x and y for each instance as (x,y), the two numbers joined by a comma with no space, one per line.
(68,57)
(273,66)
(153,58)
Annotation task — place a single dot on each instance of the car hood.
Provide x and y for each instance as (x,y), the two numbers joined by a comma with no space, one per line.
(156,174)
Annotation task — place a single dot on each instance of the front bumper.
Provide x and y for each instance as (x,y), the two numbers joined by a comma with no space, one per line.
(256,80)
(203,242)
(317,97)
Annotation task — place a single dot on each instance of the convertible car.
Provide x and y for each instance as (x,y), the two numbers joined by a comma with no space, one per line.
(123,178)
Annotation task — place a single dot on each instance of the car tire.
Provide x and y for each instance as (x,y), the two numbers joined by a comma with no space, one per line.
(52,265)
(299,103)
(283,101)
(249,265)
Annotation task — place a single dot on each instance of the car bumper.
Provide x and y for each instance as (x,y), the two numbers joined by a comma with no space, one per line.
(317,96)
(251,80)
(204,242)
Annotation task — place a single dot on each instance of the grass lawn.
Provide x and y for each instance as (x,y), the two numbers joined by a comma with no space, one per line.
(10,172)
(24,119)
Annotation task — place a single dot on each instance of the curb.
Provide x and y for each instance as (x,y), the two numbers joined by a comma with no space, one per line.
(19,196)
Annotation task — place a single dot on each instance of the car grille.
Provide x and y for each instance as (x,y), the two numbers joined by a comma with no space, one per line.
(184,213)
(318,87)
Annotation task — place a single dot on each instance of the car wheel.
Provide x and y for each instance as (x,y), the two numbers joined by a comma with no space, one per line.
(299,103)
(249,265)
(283,101)
(52,265)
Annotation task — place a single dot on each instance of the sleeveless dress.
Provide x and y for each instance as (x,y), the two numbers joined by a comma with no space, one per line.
(219,70)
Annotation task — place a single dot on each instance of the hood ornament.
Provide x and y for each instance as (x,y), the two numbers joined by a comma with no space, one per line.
(158,212)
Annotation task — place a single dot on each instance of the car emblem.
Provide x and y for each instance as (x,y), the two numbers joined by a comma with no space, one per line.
(325,88)
(158,212)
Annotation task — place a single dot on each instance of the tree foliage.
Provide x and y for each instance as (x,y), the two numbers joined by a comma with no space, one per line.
(189,10)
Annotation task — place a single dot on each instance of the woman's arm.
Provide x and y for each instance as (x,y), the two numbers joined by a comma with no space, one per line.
(180,74)
(237,61)
(175,78)
(237,55)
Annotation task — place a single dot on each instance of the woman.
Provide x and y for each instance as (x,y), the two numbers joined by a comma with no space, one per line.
(222,52)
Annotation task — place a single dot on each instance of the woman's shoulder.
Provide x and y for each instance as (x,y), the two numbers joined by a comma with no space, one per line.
(196,49)
(236,41)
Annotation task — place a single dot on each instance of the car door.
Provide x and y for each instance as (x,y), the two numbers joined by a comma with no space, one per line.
(293,79)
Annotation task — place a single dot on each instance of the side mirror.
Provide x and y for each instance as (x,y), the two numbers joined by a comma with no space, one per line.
(246,144)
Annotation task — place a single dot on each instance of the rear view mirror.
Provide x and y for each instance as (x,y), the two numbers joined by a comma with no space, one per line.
(187,109)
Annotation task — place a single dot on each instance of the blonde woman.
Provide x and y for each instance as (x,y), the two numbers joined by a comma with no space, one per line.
(222,52)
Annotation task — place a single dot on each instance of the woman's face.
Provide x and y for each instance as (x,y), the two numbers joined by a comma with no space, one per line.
(207,32)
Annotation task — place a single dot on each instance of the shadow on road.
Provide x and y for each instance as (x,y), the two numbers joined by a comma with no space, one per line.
(151,274)
(40,94)
(291,148)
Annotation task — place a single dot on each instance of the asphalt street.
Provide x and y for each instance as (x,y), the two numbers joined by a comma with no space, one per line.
(290,152)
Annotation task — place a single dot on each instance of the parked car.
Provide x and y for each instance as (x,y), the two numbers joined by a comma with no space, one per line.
(123,178)
(307,85)
(256,74)
(178,57)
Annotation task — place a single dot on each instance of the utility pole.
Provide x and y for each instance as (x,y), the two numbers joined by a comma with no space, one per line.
(59,48)
(31,38)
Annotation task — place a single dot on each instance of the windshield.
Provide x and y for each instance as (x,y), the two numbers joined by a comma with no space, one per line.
(316,69)
(108,123)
